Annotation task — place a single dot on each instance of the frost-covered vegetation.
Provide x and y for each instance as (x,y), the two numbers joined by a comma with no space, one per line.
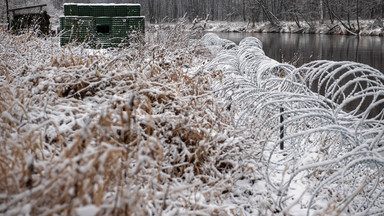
(183,126)
(127,131)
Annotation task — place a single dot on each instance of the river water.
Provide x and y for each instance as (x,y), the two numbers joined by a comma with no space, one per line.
(299,49)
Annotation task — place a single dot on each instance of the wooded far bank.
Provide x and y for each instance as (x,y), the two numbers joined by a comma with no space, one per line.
(264,10)
(305,14)
(347,13)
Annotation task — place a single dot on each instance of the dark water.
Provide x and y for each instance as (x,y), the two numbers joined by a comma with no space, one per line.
(303,48)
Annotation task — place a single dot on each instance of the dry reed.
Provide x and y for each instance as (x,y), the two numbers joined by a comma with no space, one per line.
(130,131)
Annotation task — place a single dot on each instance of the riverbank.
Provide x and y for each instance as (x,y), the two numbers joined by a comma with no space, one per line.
(367,27)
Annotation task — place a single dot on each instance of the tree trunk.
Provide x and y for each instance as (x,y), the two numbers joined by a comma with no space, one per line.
(357,16)
(212,12)
(321,12)
(348,15)
(297,21)
(349,29)
(175,11)
(244,13)
(268,14)
(151,11)
(7,8)
(329,11)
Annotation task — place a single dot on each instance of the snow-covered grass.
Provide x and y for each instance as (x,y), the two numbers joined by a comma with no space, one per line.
(180,126)
(111,132)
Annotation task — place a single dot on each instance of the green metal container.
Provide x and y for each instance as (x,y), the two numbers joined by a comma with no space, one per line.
(69,26)
(69,21)
(119,21)
(103,10)
(101,25)
(109,11)
(70,10)
(104,21)
(86,21)
(97,11)
(119,26)
(121,10)
(76,29)
(84,10)
(103,30)
(134,10)
(119,30)
(136,24)
(64,40)
(86,29)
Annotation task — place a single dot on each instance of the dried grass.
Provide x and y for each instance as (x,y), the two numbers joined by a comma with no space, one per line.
(126,131)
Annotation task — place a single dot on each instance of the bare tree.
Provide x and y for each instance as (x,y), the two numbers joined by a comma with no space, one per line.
(7,9)
(255,10)
(321,11)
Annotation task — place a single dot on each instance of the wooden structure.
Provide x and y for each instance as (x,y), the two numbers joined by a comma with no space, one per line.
(29,21)
(28,7)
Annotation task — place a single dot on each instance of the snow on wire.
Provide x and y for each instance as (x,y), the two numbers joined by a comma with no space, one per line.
(329,116)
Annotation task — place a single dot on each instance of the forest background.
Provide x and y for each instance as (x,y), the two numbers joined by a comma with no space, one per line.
(251,11)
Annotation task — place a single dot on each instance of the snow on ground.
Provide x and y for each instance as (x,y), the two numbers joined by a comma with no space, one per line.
(183,126)
(368,27)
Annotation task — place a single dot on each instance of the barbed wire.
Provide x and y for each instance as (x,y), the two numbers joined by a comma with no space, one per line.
(326,116)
